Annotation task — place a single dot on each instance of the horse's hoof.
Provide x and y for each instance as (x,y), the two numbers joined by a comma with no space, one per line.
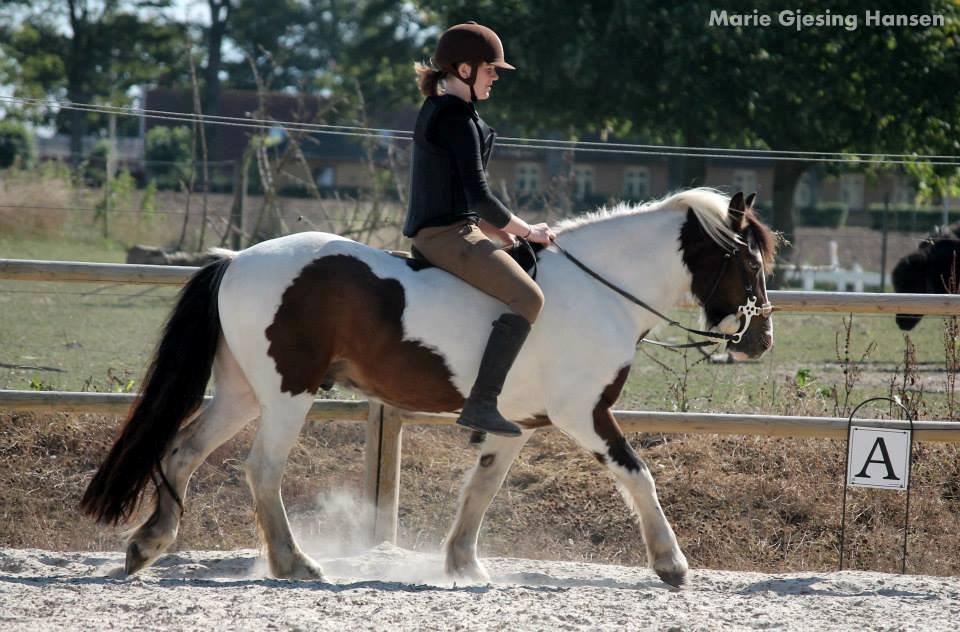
(673,577)
(472,572)
(311,572)
(136,560)
(302,570)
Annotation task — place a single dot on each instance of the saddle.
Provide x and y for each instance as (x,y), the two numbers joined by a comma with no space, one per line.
(523,252)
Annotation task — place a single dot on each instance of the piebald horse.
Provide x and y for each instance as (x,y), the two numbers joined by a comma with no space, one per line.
(279,321)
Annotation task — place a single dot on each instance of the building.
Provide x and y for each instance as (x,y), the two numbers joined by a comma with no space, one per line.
(522,175)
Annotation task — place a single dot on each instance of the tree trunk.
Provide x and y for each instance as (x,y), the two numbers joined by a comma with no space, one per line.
(78,128)
(684,172)
(77,73)
(219,14)
(241,168)
(786,174)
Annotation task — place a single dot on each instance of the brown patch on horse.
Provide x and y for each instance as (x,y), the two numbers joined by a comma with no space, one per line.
(339,321)
(606,426)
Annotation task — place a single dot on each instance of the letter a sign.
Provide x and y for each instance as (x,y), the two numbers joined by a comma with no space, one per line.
(878,458)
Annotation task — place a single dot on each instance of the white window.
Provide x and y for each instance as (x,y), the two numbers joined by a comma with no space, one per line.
(325,176)
(803,194)
(526,178)
(636,183)
(582,181)
(745,180)
(851,190)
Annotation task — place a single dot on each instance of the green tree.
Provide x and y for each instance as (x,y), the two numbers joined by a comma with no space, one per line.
(329,45)
(93,169)
(89,51)
(16,145)
(168,153)
(658,72)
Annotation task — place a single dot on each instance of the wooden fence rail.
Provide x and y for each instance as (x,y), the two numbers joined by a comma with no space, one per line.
(786,301)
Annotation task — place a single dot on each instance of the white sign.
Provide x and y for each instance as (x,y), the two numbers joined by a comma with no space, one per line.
(878,457)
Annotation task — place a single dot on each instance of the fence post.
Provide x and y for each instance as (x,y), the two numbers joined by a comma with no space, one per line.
(382,469)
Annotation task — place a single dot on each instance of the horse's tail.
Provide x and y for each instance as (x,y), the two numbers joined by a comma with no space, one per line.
(172,390)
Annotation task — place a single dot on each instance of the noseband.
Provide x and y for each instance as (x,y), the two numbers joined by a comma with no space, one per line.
(746,311)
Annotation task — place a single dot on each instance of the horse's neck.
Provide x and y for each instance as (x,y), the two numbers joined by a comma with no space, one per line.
(640,253)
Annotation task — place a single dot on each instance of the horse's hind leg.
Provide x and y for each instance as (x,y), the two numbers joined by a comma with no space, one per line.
(233,407)
(497,454)
(280,424)
(602,436)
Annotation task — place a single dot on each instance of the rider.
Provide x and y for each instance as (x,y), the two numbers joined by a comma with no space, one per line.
(452,210)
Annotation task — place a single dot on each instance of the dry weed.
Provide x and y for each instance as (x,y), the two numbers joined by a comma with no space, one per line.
(740,503)
(30,201)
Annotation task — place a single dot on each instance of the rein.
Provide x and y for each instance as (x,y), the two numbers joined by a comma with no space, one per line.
(747,311)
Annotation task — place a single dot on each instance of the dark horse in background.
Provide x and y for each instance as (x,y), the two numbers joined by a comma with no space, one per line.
(929,269)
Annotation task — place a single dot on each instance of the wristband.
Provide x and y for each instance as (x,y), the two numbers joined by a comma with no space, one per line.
(529,230)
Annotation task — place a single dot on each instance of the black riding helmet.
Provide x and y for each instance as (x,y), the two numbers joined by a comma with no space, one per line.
(469,43)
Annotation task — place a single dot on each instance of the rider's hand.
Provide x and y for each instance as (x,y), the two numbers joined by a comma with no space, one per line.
(540,234)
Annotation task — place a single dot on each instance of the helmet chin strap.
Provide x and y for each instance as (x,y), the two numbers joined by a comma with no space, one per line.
(470,81)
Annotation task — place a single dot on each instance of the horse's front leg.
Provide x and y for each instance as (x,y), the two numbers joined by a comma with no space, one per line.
(640,493)
(482,483)
(597,431)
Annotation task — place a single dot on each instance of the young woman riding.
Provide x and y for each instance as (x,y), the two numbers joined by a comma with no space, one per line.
(453,211)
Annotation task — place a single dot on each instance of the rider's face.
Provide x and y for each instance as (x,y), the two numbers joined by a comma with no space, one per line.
(486,75)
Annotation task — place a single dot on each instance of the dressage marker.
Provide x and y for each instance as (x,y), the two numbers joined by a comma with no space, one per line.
(879,458)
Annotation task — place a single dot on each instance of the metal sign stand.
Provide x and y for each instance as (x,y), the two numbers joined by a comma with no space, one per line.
(846,464)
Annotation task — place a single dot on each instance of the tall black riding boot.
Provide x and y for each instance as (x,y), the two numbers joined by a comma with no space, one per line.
(480,410)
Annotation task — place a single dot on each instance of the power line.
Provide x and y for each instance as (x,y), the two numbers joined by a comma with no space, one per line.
(515,142)
(220,212)
(92,209)
(872,161)
(233,121)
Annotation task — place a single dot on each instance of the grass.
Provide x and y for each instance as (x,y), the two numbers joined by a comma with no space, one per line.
(735,502)
(75,336)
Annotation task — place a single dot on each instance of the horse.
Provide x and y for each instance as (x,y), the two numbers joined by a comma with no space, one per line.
(279,321)
(930,269)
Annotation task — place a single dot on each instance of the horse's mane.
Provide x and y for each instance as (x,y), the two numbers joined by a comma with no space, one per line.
(709,205)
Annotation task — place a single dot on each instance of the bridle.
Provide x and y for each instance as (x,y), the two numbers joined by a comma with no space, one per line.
(747,311)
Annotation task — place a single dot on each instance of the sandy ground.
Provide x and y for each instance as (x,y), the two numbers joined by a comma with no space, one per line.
(388,588)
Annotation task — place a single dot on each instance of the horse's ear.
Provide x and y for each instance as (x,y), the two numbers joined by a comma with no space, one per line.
(737,212)
(750,200)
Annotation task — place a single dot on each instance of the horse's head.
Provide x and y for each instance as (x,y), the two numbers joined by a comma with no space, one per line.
(728,265)
(927,270)
(910,276)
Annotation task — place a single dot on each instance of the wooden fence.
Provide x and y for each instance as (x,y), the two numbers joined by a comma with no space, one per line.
(384,425)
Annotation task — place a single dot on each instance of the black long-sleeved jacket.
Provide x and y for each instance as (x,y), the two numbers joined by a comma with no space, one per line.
(448,183)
